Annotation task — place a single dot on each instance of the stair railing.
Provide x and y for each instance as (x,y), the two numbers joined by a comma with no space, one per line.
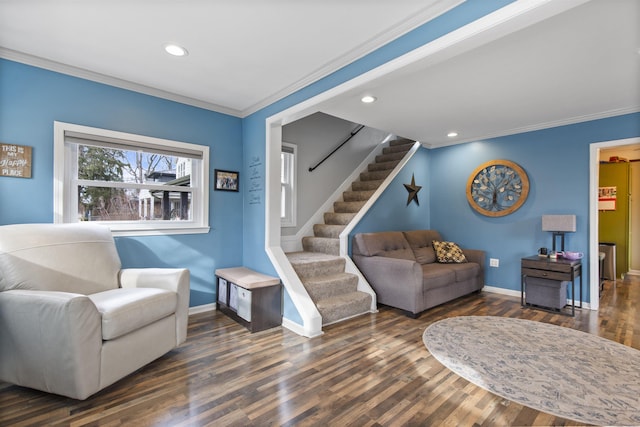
(351,135)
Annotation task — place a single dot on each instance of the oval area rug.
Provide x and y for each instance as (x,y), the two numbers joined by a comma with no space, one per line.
(553,369)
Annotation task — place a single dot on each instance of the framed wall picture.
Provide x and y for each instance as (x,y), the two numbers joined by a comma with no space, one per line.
(226,180)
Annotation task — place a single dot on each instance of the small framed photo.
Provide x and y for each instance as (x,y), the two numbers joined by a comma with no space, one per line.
(226,180)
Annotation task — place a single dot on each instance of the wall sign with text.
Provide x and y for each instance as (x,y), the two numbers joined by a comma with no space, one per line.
(15,160)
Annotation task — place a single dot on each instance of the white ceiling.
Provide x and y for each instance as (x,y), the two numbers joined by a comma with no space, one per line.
(527,73)
(243,54)
(578,65)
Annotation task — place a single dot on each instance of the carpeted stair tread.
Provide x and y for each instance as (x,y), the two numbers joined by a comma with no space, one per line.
(335,218)
(348,207)
(389,157)
(401,141)
(401,148)
(332,285)
(366,185)
(328,230)
(343,306)
(327,245)
(372,167)
(374,176)
(357,196)
(310,264)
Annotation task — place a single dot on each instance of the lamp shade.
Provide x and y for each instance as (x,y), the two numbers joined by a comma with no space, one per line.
(564,223)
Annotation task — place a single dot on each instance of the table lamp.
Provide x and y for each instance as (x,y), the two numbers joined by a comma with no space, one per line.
(559,225)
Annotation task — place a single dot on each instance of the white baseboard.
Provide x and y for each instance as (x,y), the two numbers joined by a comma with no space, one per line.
(496,290)
(297,328)
(201,309)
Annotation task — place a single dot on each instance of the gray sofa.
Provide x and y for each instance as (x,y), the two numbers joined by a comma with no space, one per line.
(72,321)
(402,269)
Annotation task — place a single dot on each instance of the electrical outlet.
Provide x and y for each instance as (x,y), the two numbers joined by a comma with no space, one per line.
(494,262)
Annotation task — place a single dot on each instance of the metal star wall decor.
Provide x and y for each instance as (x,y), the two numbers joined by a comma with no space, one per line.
(413,191)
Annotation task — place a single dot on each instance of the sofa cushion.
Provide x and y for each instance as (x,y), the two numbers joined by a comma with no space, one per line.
(465,271)
(420,242)
(448,252)
(391,244)
(125,310)
(436,275)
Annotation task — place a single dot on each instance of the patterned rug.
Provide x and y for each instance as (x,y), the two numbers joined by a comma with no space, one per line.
(557,370)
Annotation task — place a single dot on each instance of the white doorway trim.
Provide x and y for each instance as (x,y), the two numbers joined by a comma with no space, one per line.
(594,177)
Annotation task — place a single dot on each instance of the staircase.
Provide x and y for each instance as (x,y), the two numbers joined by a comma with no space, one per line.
(319,266)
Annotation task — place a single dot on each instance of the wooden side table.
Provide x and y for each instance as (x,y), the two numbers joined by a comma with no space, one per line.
(252,299)
(559,269)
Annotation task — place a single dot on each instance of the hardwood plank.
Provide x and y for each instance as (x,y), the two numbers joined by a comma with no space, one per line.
(372,370)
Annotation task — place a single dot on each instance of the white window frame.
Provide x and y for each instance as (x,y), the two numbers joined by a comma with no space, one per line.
(289,220)
(65,203)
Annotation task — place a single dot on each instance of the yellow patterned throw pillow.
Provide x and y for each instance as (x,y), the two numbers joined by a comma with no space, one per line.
(448,252)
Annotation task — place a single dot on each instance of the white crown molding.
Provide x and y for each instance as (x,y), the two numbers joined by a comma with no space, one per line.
(59,67)
(544,125)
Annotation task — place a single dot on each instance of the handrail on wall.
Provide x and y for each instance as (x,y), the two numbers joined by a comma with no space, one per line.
(353,133)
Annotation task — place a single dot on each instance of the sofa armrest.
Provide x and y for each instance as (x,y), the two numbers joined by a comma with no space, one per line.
(475,255)
(50,341)
(397,282)
(172,279)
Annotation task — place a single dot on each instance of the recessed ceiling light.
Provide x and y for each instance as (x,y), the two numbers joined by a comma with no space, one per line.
(368,99)
(452,134)
(175,50)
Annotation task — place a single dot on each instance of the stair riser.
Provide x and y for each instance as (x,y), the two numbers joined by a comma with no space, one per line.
(403,148)
(374,176)
(333,218)
(366,185)
(381,158)
(322,245)
(335,312)
(344,284)
(357,196)
(372,167)
(400,141)
(320,268)
(324,230)
(348,207)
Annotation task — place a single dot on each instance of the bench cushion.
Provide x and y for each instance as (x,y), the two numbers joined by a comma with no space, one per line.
(125,310)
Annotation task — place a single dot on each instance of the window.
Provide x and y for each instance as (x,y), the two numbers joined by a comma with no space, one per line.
(134,184)
(287,184)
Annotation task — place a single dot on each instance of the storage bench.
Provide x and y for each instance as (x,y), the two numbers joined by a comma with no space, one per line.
(547,293)
(252,299)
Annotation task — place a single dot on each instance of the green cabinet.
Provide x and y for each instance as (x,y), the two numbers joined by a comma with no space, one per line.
(614,224)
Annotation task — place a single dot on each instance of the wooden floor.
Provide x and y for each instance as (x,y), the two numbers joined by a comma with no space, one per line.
(369,371)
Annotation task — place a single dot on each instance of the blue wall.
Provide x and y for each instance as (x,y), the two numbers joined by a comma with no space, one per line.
(556,161)
(31,99)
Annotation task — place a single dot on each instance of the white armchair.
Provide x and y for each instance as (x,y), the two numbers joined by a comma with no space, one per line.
(72,321)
